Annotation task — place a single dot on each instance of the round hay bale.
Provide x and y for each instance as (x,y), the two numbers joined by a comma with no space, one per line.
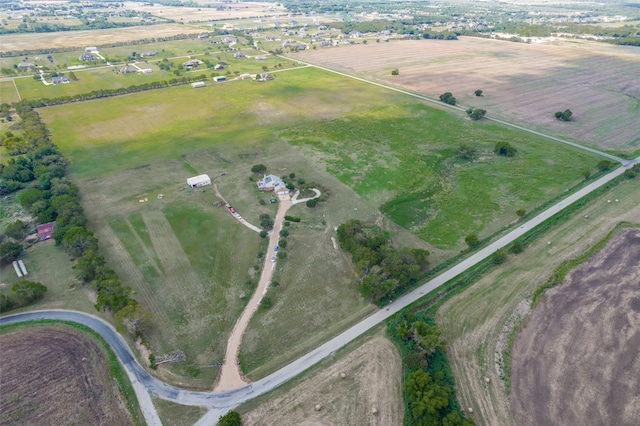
(318,407)
(470,410)
(487,380)
(374,411)
(343,375)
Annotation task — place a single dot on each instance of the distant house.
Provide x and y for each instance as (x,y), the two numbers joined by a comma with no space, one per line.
(219,78)
(145,54)
(264,76)
(25,65)
(60,79)
(193,63)
(272,183)
(198,181)
(147,71)
(203,35)
(45,230)
(90,49)
(197,84)
(300,46)
(228,40)
(87,57)
(245,76)
(239,55)
(128,70)
(289,42)
(218,67)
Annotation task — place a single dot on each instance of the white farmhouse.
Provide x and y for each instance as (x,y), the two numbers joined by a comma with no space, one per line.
(198,181)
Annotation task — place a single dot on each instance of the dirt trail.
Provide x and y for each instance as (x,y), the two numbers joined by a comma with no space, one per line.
(230,373)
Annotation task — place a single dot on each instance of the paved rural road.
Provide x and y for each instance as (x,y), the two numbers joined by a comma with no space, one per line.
(220,402)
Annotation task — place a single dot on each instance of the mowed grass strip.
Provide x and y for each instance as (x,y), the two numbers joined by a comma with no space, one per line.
(404,158)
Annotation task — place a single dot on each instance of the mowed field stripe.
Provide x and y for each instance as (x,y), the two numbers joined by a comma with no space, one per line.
(132,277)
(147,251)
(180,279)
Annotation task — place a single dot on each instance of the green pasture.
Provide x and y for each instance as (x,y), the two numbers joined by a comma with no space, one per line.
(8,92)
(403,157)
(186,263)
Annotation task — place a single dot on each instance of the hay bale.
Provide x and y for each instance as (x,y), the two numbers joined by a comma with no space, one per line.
(343,375)
(374,411)
(470,410)
(487,380)
(318,407)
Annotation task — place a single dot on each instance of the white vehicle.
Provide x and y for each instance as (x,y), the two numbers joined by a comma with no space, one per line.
(273,258)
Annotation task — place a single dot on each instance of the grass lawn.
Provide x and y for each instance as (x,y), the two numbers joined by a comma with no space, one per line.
(8,93)
(173,414)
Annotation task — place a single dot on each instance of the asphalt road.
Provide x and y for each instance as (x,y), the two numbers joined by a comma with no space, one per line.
(220,402)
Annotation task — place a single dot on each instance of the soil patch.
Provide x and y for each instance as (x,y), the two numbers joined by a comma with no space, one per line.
(574,361)
(57,375)
(373,376)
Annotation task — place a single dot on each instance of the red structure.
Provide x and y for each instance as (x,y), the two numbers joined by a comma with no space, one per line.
(45,230)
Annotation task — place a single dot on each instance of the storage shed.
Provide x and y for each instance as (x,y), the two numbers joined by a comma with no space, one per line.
(45,230)
(197,84)
(198,181)
(219,78)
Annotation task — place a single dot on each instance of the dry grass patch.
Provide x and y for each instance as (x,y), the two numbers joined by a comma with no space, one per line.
(81,39)
(525,83)
(373,379)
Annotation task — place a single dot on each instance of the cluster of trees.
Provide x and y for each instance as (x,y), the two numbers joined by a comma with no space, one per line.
(476,113)
(384,270)
(428,387)
(439,35)
(448,98)
(632,172)
(564,115)
(50,196)
(22,293)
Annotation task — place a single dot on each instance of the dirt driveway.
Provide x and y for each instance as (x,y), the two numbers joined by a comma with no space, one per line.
(577,362)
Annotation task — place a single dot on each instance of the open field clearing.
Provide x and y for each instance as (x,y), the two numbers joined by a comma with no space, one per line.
(373,380)
(8,93)
(183,256)
(524,83)
(49,265)
(476,321)
(397,156)
(189,14)
(81,39)
(574,361)
(173,414)
(55,374)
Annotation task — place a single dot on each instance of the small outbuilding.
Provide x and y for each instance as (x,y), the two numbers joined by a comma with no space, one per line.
(198,181)
(45,230)
(219,78)
(197,84)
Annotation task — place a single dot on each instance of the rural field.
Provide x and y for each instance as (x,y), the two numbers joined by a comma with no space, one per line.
(233,11)
(56,374)
(573,362)
(523,83)
(477,321)
(373,373)
(81,39)
(189,263)
(8,92)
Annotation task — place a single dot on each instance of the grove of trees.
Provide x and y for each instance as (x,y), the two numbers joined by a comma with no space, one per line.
(564,115)
(448,98)
(384,270)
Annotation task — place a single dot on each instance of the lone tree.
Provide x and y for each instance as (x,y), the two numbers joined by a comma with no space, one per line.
(564,115)
(478,93)
(521,213)
(448,98)
(471,240)
(476,114)
(258,168)
(505,149)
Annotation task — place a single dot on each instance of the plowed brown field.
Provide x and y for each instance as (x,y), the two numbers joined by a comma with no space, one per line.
(54,375)
(577,360)
(524,83)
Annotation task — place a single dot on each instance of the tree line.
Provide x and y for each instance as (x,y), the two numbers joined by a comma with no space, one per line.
(50,196)
(383,269)
(429,388)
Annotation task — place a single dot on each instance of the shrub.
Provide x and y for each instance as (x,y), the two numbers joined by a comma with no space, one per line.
(505,149)
(15,230)
(471,240)
(10,251)
(266,302)
(448,98)
(395,71)
(292,218)
(284,233)
(263,234)
(283,243)
(478,93)
(564,115)
(312,203)
(259,168)
(232,418)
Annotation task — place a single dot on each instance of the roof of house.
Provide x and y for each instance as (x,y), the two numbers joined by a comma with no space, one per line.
(25,65)
(270,183)
(60,79)
(45,230)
